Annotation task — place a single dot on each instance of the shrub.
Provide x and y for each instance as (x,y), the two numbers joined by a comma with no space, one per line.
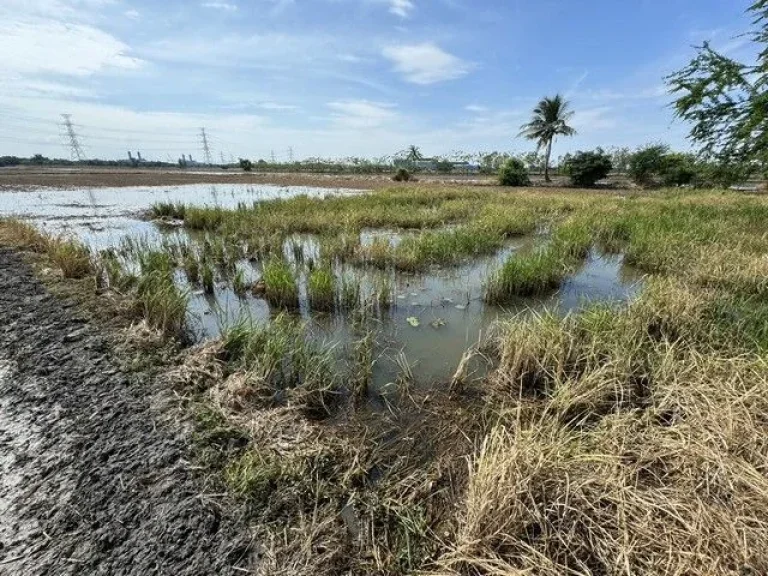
(514,173)
(646,164)
(246,165)
(402,175)
(587,168)
(678,169)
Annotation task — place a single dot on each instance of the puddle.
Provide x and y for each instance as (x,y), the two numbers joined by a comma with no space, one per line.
(433,318)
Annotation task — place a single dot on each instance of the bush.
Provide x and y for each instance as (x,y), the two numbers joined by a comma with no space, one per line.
(246,164)
(402,175)
(678,169)
(587,168)
(646,164)
(514,173)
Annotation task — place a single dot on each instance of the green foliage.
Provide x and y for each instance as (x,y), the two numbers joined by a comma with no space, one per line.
(169,210)
(678,169)
(280,284)
(246,165)
(587,168)
(647,163)
(726,100)
(72,257)
(550,120)
(514,173)
(207,277)
(321,288)
(402,175)
(526,275)
(162,304)
(239,283)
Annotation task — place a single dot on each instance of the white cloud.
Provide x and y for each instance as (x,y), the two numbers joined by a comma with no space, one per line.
(41,46)
(475,109)
(362,113)
(276,106)
(426,63)
(132,14)
(225,6)
(402,8)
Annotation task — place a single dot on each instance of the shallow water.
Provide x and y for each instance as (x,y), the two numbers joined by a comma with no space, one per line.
(447,306)
(434,316)
(102,217)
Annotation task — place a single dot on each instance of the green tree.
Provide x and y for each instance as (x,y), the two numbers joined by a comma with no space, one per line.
(647,163)
(513,173)
(588,168)
(550,120)
(727,101)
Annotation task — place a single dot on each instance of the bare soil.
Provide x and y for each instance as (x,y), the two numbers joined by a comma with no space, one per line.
(14,178)
(94,476)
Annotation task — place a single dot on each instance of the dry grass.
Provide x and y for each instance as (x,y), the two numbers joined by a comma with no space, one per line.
(677,488)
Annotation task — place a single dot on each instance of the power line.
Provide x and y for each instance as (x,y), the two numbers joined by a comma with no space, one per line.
(75,151)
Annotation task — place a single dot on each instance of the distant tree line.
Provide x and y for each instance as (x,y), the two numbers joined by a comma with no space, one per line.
(40,160)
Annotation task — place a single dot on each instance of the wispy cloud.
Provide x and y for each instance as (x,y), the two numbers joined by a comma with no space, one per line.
(362,113)
(475,108)
(225,6)
(402,8)
(426,63)
(35,47)
(277,107)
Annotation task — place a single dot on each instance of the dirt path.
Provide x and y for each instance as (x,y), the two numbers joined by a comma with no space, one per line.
(91,480)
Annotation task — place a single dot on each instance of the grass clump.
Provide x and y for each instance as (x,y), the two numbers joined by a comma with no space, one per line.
(280,284)
(526,275)
(279,364)
(71,257)
(170,210)
(321,289)
(239,284)
(160,301)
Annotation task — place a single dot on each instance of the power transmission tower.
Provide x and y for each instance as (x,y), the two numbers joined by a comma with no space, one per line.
(75,150)
(222,158)
(272,155)
(206,148)
(290,154)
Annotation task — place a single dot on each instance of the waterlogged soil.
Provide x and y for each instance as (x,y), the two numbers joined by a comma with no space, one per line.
(440,309)
(434,316)
(93,478)
(102,217)
(34,177)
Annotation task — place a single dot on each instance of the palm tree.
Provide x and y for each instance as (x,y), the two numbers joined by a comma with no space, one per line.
(550,120)
(413,154)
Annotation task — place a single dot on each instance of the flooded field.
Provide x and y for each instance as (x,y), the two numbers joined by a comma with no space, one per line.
(419,321)
(104,216)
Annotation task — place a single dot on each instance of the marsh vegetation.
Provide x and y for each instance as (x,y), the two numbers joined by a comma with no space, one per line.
(604,437)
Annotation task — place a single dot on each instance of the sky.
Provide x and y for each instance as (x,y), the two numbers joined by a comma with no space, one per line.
(344,78)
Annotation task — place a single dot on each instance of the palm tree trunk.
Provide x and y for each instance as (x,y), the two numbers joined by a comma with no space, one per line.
(546,162)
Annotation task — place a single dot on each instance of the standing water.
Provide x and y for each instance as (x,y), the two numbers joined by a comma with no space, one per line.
(434,316)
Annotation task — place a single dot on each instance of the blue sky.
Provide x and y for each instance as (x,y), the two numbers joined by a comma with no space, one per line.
(337,78)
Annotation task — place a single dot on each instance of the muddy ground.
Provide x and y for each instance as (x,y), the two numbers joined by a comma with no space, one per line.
(14,178)
(94,477)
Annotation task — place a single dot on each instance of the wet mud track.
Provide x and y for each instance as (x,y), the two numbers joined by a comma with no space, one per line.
(93,480)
